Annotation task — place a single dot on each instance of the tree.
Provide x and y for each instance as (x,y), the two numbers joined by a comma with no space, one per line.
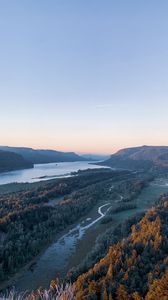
(92,287)
(105,295)
(159,289)
(136,296)
(110,296)
(122,293)
(110,271)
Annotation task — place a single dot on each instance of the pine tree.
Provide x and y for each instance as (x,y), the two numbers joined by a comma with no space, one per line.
(105,295)
(122,293)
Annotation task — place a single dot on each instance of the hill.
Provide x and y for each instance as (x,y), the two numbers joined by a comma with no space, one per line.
(44,156)
(144,157)
(10,161)
(134,268)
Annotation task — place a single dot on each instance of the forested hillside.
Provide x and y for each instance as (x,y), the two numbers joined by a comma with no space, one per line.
(144,158)
(136,267)
(10,161)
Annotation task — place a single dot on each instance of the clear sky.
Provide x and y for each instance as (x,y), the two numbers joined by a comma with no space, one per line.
(83,75)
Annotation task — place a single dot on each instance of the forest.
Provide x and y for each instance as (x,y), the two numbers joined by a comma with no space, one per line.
(29,221)
(133,263)
(134,267)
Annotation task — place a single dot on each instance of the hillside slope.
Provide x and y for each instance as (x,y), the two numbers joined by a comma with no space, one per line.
(43,156)
(136,267)
(144,157)
(10,161)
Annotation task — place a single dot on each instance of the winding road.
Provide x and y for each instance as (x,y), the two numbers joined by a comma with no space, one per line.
(99,218)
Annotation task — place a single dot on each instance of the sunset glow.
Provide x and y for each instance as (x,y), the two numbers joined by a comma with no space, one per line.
(74,82)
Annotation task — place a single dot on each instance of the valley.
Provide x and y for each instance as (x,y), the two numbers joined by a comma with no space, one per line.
(83,150)
(97,198)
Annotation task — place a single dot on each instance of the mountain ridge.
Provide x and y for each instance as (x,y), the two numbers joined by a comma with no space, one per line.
(40,156)
(142,157)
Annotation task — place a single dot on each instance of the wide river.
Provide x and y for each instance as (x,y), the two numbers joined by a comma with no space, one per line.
(45,172)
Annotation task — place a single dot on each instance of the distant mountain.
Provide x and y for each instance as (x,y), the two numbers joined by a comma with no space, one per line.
(44,156)
(95,157)
(144,157)
(10,161)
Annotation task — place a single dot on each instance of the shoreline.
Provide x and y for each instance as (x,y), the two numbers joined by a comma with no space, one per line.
(47,171)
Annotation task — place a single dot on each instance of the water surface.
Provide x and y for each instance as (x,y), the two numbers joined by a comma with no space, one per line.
(45,172)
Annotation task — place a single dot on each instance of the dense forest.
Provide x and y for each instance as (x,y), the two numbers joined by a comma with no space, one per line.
(10,161)
(136,267)
(30,219)
(111,236)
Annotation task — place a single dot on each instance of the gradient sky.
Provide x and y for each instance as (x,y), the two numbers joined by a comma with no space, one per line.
(83,75)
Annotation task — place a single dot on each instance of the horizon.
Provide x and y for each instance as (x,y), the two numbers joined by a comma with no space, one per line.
(85,153)
(82,76)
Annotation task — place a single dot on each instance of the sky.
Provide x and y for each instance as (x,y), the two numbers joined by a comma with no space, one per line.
(83,75)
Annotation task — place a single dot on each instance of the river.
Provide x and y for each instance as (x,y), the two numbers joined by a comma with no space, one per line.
(45,172)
